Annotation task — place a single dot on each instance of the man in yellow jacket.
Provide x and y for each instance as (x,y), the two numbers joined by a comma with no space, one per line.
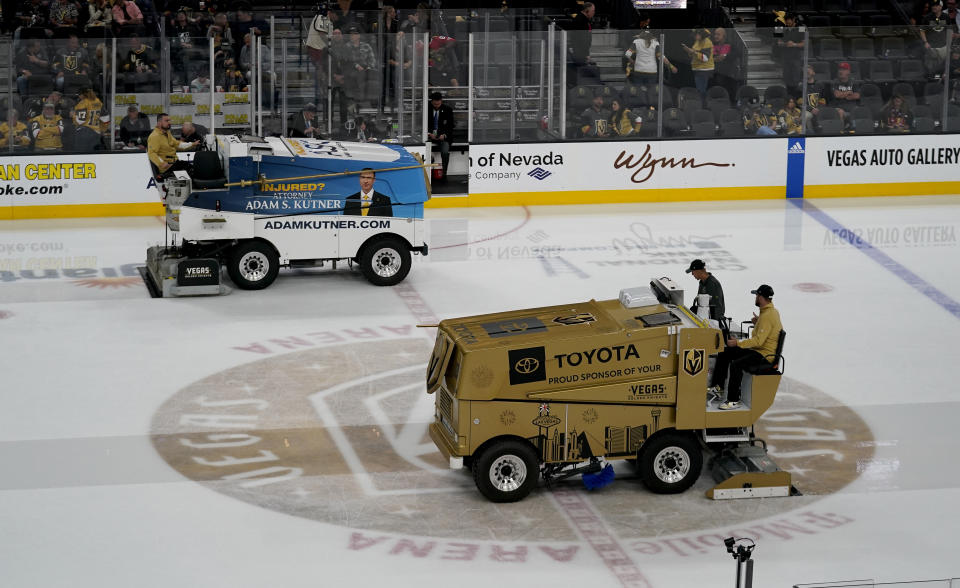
(13,131)
(162,147)
(758,350)
(47,129)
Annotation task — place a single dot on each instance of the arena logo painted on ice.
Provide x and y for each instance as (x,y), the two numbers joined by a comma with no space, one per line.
(332,426)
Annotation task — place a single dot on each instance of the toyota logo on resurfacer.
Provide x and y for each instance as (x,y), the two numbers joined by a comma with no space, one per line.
(527,365)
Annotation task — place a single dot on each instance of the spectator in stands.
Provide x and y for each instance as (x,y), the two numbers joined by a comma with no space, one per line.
(358,62)
(444,66)
(701,59)
(643,58)
(759,119)
(302,124)
(790,118)
(318,43)
(621,119)
(593,120)
(127,18)
(32,61)
(135,129)
(100,65)
(183,34)
(35,107)
(64,14)
(440,124)
(149,12)
(35,14)
(71,61)
(792,46)
(727,57)
(101,16)
(140,57)
(418,20)
(189,133)
(895,116)
(845,92)
(389,27)
(363,132)
(233,78)
(816,97)
(245,23)
(13,132)
(921,8)
(936,31)
(337,75)
(205,14)
(162,148)
(138,72)
(90,112)
(246,58)
(47,129)
(580,39)
(201,83)
(221,28)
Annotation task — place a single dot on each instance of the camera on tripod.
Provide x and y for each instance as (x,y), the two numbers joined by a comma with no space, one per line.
(738,550)
(741,552)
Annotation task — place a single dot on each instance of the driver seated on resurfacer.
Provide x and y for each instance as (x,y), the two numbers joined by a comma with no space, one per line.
(748,353)
(162,149)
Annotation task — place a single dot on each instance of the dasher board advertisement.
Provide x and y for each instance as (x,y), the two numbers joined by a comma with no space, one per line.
(106,182)
(882,165)
(721,168)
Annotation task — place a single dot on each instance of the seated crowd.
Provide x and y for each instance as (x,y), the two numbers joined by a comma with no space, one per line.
(62,62)
(855,83)
(890,81)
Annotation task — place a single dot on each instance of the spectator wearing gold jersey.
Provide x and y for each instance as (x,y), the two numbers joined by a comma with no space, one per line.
(47,129)
(13,132)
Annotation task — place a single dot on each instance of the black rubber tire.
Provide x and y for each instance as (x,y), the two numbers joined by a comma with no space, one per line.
(506,471)
(253,265)
(670,462)
(385,262)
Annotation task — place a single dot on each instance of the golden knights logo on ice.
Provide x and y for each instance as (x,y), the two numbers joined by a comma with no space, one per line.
(693,361)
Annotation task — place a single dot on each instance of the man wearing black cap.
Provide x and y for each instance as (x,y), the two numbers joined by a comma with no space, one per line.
(440,124)
(708,285)
(758,350)
(302,124)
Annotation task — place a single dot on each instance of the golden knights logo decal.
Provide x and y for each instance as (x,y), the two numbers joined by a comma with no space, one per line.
(693,360)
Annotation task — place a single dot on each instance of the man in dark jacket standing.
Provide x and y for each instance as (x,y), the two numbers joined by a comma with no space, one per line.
(708,285)
(440,125)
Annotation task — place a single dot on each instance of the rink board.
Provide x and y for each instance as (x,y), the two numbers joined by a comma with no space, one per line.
(84,185)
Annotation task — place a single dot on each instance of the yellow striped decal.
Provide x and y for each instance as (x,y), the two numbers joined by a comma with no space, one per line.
(889,189)
(608,196)
(82,210)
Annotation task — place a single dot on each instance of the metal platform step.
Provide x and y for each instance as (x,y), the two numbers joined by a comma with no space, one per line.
(736,435)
